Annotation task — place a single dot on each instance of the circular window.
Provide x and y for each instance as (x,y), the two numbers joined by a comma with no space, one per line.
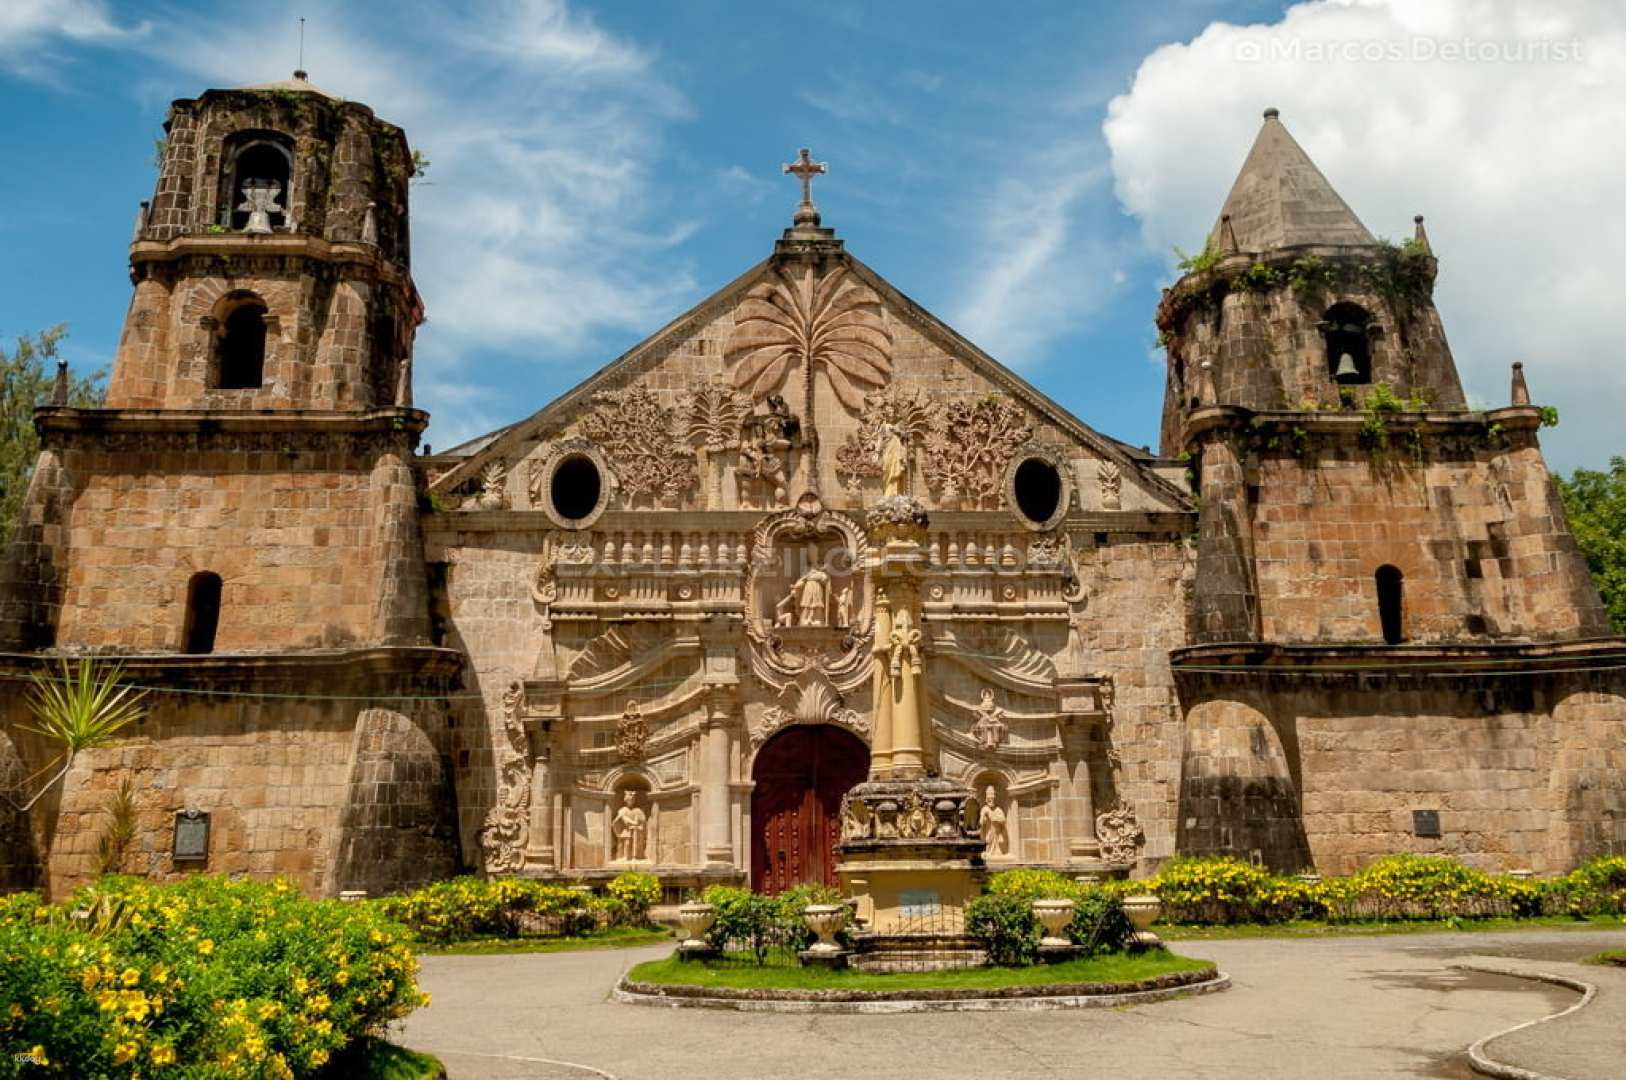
(1038,490)
(575,487)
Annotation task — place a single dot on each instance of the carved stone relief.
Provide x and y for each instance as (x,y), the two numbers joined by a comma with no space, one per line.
(1110,479)
(990,728)
(968,450)
(811,699)
(712,417)
(804,598)
(493,494)
(910,414)
(803,320)
(1119,833)
(502,838)
(631,733)
(636,432)
(762,473)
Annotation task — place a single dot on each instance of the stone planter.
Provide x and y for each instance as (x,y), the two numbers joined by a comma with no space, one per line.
(825,920)
(1143,911)
(695,919)
(1054,915)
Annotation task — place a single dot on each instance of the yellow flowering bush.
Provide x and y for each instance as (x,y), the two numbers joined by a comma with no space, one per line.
(204,978)
(465,908)
(1597,887)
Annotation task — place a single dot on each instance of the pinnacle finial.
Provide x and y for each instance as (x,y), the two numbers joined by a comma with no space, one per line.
(1273,113)
(1521,390)
(1227,236)
(1420,235)
(804,168)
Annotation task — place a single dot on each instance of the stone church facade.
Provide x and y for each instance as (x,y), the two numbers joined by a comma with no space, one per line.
(634,630)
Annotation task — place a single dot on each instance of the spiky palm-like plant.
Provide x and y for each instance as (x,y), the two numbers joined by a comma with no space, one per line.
(83,708)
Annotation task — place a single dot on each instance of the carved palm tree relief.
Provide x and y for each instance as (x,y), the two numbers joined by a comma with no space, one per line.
(831,323)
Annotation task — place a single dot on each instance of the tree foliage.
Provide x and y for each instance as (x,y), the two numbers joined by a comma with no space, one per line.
(1595,503)
(26,377)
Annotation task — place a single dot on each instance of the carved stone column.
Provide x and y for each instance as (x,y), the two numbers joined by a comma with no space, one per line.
(540,853)
(714,810)
(1080,709)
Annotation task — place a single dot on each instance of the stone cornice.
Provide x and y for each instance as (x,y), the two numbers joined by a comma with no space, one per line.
(292,246)
(64,421)
(449,522)
(322,667)
(1255,659)
(1348,422)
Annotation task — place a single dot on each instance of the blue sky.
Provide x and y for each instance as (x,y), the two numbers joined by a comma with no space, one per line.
(1020,170)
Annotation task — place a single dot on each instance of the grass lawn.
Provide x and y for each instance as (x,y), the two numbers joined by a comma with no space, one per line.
(616,937)
(1610,956)
(787,974)
(375,1059)
(1310,928)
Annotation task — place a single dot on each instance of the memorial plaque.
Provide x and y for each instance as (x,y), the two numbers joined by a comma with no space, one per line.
(919,903)
(1425,822)
(191,836)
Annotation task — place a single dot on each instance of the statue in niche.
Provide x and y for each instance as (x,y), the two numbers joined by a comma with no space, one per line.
(763,473)
(844,606)
(990,728)
(260,200)
(812,593)
(627,830)
(894,462)
(991,823)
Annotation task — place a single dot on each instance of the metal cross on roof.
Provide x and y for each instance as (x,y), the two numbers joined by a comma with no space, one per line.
(804,168)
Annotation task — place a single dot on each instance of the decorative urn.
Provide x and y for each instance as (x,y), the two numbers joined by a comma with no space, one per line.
(825,920)
(1054,915)
(1143,911)
(696,919)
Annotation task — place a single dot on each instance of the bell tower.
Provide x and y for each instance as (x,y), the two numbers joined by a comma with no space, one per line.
(272,268)
(1349,495)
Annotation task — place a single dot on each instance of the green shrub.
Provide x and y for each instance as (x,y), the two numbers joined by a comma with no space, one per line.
(1099,923)
(1220,889)
(1596,887)
(1424,886)
(469,907)
(631,896)
(791,926)
(1006,926)
(204,978)
(744,920)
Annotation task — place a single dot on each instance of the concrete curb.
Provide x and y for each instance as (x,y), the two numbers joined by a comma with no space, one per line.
(1483,1063)
(627,993)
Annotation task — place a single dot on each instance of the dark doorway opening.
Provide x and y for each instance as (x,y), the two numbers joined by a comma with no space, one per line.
(801,775)
(242,348)
(1391,590)
(202,612)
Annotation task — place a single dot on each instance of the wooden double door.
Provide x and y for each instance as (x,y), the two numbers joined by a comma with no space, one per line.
(801,775)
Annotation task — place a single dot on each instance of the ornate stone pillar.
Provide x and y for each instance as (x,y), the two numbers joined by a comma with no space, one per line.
(1080,709)
(540,853)
(716,843)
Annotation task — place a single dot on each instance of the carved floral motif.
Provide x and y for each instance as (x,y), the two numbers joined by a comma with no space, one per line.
(636,433)
(969,448)
(1110,478)
(810,700)
(502,838)
(831,321)
(1119,833)
(631,733)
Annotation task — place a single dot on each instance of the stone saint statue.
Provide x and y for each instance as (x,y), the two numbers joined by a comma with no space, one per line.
(260,200)
(812,591)
(844,606)
(894,463)
(990,728)
(628,830)
(991,823)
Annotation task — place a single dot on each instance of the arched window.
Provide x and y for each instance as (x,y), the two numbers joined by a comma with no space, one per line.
(256,161)
(1391,589)
(202,612)
(240,363)
(1349,349)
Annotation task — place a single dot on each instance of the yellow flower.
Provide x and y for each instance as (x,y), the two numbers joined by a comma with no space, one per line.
(38,1054)
(123,1052)
(206,946)
(130,977)
(319,1058)
(163,1055)
(160,974)
(90,978)
(16,1011)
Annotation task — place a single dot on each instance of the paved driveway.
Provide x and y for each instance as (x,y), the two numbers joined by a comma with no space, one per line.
(1323,1009)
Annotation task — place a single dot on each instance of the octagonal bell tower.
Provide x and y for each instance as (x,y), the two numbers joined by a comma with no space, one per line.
(272,266)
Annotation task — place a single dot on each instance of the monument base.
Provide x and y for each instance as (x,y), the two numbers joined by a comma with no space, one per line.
(908,857)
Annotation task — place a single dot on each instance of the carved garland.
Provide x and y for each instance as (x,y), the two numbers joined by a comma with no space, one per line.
(502,838)
(1119,834)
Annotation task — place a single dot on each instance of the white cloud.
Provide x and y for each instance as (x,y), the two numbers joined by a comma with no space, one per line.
(1499,120)
(31,32)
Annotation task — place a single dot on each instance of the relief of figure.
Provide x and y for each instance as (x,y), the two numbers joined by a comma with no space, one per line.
(894,462)
(627,830)
(784,611)
(990,728)
(991,823)
(765,443)
(844,606)
(812,592)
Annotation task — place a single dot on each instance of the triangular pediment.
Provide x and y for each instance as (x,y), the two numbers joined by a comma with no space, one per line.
(730,375)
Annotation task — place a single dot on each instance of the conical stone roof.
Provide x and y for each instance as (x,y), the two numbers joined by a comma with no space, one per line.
(1280,199)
